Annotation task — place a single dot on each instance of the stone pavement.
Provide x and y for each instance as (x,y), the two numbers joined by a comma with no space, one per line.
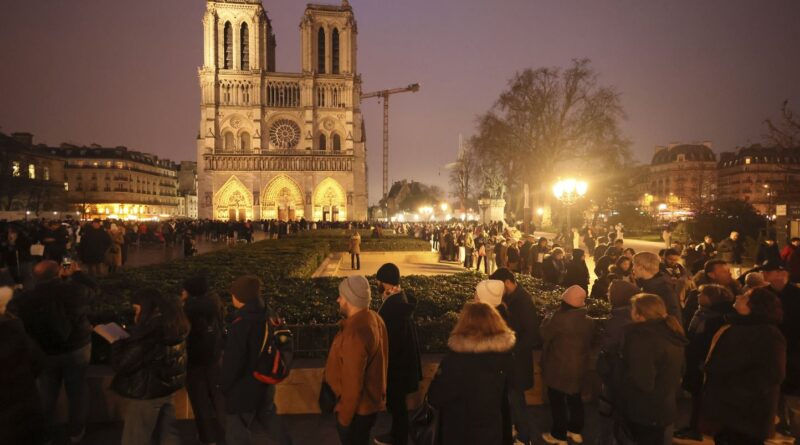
(148,254)
(410,263)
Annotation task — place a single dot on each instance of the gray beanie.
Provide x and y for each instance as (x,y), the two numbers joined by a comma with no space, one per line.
(355,289)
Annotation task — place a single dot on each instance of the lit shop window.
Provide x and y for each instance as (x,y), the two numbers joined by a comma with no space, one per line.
(31,171)
(15,169)
(46,173)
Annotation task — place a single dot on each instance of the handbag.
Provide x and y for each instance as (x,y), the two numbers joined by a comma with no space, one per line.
(424,425)
(327,398)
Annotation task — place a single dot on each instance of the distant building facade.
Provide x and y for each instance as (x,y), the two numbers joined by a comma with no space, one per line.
(114,182)
(762,176)
(280,145)
(187,189)
(32,180)
(682,178)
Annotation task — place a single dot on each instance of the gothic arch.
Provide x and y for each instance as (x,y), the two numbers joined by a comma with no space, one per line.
(282,199)
(330,201)
(321,50)
(233,201)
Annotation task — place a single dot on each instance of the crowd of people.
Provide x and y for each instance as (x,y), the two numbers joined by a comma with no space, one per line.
(733,345)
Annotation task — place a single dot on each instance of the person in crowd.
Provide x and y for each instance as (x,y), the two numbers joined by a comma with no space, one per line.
(789,294)
(692,258)
(622,268)
(355,251)
(652,367)
(553,267)
(501,252)
(469,387)
(666,236)
(648,275)
(21,417)
(715,310)
(707,247)
(405,366)
(491,259)
(576,271)
(629,252)
(480,249)
(16,253)
(114,257)
(357,363)
(250,412)
(714,272)
(744,370)
(513,255)
(790,255)
(54,239)
(523,318)
(567,343)
(469,249)
(768,251)
(55,314)
(94,244)
(600,249)
(150,366)
(536,256)
(204,350)
(730,249)
(589,241)
(524,255)
(189,244)
(610,258)
(753,280)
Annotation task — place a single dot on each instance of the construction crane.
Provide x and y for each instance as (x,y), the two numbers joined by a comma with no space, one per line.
(384,94)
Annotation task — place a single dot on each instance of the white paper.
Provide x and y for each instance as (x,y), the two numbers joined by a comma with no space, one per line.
(111,332)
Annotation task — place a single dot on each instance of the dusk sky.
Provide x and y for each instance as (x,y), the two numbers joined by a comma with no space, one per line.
(124,72)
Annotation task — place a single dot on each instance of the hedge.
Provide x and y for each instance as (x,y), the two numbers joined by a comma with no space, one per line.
(339,240)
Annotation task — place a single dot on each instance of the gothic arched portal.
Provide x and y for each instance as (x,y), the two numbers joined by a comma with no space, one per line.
(233,201)
(330,201)
(282,199)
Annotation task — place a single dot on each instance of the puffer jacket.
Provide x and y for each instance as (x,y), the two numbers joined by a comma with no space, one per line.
(148,365)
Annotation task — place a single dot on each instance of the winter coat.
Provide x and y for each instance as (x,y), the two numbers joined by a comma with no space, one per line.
(602,265)
(577,274)
(55,313)
(702,327)
(405,364)
(728,250)
(652,367)
(660,285)
(553,270)
(470,390)
(791,257)
(94,244)
(204,342)
(523,318)
(115,250)
(567,345)
(614,329)
(357,365)
(790,300)
(148,364)
(743,378)
(21,415)
(355,244)
(768,253)
(243,393)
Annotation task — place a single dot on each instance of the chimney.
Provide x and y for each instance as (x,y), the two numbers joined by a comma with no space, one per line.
(23,138)
(708,144)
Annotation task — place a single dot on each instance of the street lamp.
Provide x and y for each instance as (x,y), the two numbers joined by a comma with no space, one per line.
(569,191)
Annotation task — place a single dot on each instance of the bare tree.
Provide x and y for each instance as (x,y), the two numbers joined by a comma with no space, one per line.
(784,133)
(548,116)
(462,175)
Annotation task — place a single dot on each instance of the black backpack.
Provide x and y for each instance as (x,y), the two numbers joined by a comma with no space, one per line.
(275,359)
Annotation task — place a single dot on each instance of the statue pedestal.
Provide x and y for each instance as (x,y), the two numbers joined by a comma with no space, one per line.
(492,210)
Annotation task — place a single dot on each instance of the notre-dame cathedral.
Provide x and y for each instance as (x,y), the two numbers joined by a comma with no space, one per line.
(276,145)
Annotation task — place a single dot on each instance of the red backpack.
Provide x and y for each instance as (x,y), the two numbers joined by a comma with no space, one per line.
(275,359)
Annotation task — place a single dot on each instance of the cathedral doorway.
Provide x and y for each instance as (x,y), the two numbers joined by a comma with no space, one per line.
(283,200)
(233,202)
(329,201)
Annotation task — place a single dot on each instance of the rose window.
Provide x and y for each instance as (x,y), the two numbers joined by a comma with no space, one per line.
(284,134)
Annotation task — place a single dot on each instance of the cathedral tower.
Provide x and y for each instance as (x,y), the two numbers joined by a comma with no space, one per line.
(280,145)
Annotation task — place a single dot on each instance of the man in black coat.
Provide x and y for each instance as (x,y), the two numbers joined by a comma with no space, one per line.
(647,270)
(405,366)
(249,404)
(94,244)
(789,294)
(523,319)
(55,316)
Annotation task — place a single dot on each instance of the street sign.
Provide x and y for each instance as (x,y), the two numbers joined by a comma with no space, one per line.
(780,210)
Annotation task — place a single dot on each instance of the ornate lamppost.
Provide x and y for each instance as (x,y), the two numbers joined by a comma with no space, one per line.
(568,192)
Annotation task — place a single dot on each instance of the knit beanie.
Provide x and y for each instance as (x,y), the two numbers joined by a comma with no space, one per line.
(246,289)
(574,296)
(620,293)
(389,273)
(355,289)
(490,292)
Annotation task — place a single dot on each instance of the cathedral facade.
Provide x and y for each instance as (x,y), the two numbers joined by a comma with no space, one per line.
(276,145)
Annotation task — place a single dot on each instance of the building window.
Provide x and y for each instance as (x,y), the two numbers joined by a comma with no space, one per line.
(322,142)
(337,142)
(46,173)
(66,186)
(244,42)
(31,171)
(321,51)
(228,47)
(245,142)
(15,169)
(335,50)
(229,141)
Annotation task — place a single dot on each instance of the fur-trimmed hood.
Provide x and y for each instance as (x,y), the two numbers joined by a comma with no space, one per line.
(478,345)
